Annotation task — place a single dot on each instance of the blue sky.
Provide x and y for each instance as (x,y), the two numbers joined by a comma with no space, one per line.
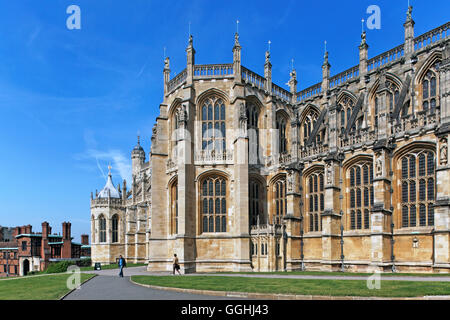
(71,101)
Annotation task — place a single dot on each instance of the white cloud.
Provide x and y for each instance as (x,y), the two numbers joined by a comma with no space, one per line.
(120,163)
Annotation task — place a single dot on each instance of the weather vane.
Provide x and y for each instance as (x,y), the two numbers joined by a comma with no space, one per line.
(237,26)
(269,42)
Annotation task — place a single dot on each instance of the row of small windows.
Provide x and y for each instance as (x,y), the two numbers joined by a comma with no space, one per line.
(254,249)
(409,215)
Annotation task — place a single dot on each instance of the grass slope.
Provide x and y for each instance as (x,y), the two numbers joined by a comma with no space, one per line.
(51,287)
(388,288)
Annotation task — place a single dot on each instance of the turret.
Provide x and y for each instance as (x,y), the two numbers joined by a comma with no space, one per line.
(137,157)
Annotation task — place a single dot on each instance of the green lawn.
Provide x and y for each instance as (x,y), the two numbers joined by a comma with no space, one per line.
(344,274)
(51,287)
(113,266)
(388,288)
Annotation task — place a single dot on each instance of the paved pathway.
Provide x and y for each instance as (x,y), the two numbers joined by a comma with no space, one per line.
(142,271)
(108,286)
(116,288)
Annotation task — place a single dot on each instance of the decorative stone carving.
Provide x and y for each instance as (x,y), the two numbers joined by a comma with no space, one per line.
(182,116)
(329,174)
(291,181)
(379,165)
(443,151)
(242,120)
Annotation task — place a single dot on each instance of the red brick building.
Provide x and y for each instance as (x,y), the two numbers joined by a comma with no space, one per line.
(85,247)
(29,251)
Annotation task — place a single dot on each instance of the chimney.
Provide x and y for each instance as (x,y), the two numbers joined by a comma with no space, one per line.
(45,248)
(66,251)
(66,230)
(45,229)
(85,239)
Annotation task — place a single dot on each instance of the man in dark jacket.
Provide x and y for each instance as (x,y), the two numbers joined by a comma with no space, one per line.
(122,264)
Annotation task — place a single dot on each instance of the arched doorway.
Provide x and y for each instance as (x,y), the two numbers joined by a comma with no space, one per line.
(26,267)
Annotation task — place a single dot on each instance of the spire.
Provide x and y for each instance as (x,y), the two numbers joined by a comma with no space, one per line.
(109,191)
(363,53)
(166,72)
(409,32)
(190,55)
(293,82)
(237,56)
(268,72)
(325,56)
(325,71)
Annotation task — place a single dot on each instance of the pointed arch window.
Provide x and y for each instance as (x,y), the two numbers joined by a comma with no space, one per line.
(392,95)
(308,124)
(429,89)
(346,105)
(253,132)
(280,203)
(281,127)
(360,200)
(102,228)
(255,202)
(316,200)
(417,189)
(214,204)
(115,228)
(174,208)
(213,125)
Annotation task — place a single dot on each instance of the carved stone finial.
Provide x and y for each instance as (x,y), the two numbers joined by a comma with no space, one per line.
(267,57)
(409,13)
(167,63)
(363,38)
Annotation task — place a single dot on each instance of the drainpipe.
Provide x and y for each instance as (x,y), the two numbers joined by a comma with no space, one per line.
(301,244)
(432,251)
(342,249)
(392,248)
(7,263)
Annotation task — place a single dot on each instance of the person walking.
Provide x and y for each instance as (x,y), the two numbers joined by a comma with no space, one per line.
(176,265)
(122,264)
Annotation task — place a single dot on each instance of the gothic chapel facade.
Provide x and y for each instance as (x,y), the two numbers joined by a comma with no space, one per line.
(349,174)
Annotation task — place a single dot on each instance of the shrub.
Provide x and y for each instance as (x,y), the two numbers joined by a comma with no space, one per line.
(86,262)
(58,267)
